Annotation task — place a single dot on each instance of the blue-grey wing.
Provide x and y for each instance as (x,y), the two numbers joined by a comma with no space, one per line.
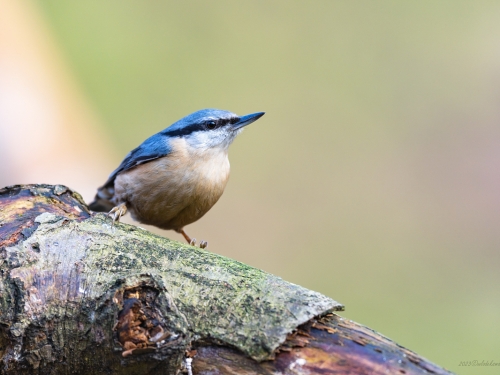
(154,147)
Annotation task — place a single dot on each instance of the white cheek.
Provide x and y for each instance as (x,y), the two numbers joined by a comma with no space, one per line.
(212,139)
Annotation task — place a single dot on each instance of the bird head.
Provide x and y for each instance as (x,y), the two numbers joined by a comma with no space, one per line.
(210,128)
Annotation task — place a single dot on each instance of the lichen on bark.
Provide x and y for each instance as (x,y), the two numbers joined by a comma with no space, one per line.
(81,269)
(80,296)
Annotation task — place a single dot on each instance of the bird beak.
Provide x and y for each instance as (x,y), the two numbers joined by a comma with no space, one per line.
(247,120)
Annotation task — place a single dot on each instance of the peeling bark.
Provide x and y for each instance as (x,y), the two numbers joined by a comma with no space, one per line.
(325,345)
(80,296)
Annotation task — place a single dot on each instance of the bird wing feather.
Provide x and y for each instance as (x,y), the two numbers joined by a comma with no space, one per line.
(156,146)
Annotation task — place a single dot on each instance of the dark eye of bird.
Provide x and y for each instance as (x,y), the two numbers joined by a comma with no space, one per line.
(211,124)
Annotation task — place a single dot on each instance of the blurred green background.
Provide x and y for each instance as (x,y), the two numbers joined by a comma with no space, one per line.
(374,176)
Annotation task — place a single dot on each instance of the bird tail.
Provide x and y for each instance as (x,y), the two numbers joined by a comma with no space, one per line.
(99,205)
(102,201)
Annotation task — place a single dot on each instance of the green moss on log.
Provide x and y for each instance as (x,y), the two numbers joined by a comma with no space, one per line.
(206,296)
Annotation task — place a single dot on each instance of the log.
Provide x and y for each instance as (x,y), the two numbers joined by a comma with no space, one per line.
(79,295)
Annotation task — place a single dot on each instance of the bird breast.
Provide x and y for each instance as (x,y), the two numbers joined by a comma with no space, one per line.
(175,190)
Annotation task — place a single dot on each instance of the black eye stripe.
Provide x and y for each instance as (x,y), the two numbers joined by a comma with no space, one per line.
(200,126)
(214,124)
(184,131)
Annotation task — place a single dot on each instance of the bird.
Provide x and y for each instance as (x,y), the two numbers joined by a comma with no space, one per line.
(174,177)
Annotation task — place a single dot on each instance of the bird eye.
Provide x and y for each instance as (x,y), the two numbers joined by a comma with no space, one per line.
(211,124)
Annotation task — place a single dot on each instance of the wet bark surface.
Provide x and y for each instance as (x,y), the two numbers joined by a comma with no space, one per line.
(81,296)
(324,345)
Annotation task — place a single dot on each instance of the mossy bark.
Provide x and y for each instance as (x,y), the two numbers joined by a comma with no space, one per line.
(81,296)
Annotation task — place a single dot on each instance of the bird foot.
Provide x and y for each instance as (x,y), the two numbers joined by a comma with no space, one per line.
(117,212)
(202,245)
(191,241)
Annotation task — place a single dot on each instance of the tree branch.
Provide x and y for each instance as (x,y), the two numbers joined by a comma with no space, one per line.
(78,295)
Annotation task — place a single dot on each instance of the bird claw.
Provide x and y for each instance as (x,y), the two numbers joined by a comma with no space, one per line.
(191,241)
(117,212)
(202,245)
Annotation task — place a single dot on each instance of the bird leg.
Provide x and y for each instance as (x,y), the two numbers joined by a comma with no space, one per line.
(191,241)
(117,212)
(184,234)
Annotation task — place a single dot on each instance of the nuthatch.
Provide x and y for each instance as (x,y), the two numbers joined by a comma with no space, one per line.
(175,176)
